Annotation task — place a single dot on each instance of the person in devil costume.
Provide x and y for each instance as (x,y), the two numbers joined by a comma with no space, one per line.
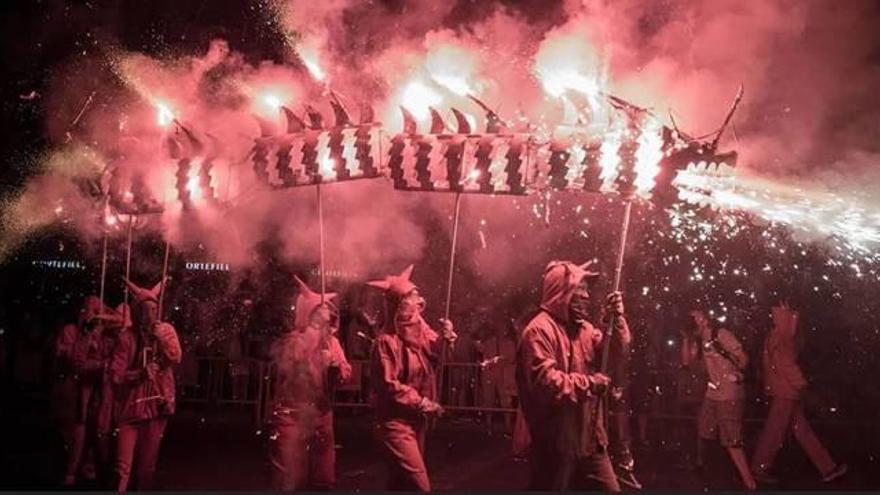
(82,351)
(403,361)
(116,323)
(309,362)
(559,388)
(143,378)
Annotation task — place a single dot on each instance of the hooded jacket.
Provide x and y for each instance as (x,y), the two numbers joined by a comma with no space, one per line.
(137,397)
(552,368)
(301,359)
(403,357)
(82,353)
(782,375)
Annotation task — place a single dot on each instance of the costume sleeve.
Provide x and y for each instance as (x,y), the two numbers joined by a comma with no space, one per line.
(122,354)
(338,356)
(624,336)
(542,370)
(169,344)
(385,365)
(434,344)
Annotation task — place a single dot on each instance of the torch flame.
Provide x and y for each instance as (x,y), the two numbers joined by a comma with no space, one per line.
(569,62)
(192,182)
(309,57)
(164,115)
(417,97)
(452,66)
(272,101)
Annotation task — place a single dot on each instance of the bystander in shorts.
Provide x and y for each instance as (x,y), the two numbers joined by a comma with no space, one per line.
(724,419)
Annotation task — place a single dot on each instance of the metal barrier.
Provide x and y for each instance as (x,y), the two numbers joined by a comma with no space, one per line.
(470,388)
(217,381)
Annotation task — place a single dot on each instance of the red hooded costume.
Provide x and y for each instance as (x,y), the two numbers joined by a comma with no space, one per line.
(554,364)
(404,386)
(83,351)
(143,403)
(302,450)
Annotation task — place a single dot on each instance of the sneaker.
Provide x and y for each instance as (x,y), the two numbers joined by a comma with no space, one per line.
(835,473)
(765,478)
(628,478)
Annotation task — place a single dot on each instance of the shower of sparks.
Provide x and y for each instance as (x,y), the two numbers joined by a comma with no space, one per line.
(845,221)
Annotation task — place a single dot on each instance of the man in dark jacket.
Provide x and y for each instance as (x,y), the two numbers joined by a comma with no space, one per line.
(559,388)
(402,364)
(309,361)
(784,383)
(143,378)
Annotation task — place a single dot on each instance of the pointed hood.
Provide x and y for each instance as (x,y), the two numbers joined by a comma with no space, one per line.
(141,294)
(560,280)
(416,332)
(91,307)
(396,285)
(306,302)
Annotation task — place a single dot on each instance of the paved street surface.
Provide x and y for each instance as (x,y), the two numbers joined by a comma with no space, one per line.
(223,451)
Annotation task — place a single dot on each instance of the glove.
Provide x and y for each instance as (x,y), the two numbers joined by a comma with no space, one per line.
(447,331)
(168,341)
(427,406)
(614,304)
(599,383)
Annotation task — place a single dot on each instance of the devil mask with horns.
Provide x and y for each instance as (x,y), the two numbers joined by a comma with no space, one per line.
(309,311)
(146,307)
(146,319)
(565,294)
(403,306)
